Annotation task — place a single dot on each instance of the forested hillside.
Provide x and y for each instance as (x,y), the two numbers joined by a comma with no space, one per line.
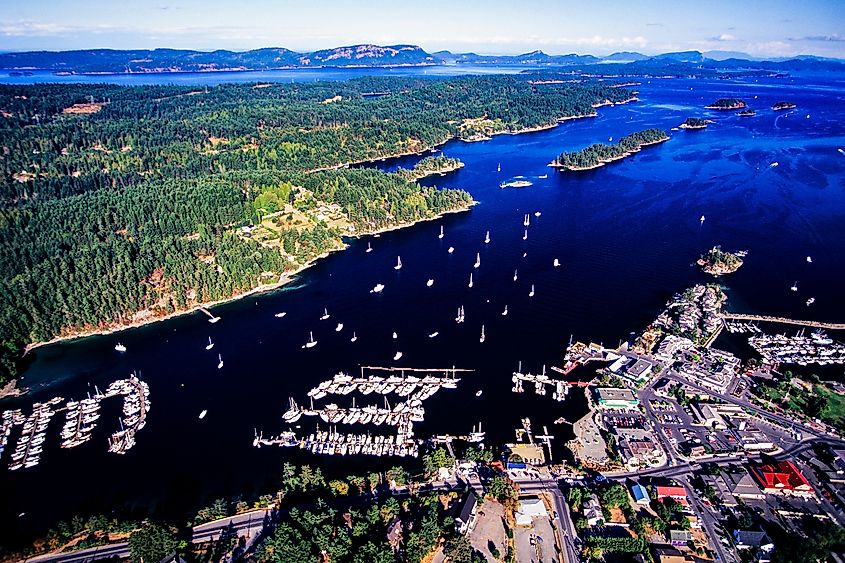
(122,204)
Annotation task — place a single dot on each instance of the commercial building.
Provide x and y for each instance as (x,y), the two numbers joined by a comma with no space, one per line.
(614,398)
(465,520)
(782,478)
(529,509)
(640,494)
(677,493)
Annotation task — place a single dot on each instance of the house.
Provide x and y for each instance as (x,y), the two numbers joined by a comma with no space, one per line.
(671,555)
(677,493)
(529,509)
(782,477)
(394,533)
(593,512)
(640,494)
(466,518)
(757,541)
(680,538)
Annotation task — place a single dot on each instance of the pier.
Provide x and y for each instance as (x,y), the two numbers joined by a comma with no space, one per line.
(782,320)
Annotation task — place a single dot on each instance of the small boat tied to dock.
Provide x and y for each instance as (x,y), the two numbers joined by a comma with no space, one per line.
(409,387)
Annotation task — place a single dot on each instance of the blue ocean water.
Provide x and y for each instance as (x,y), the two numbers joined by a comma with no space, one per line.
(627,236)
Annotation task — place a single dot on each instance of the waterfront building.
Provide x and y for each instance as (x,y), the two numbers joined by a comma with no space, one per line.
(614,398)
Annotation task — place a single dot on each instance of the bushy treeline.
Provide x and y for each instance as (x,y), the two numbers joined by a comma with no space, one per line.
(599,153)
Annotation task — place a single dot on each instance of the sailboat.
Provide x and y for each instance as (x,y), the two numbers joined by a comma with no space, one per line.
(398,265)
(378,288)
(339,327)
(210,344)
(120,347)
(531,293)
(477,260)
(515,275)
(326,314)
(219,361)
(470,280)
(397,355)
(499,168)
(369,247)
(794,287)
(441,232)
(451,249)
(505,312)
(311,342)
(525,235)
(527,221)
(556,263)
(280,315)
(487,238)
(354,337)
(481,339)
(460,317)
(430,282)
(702,219)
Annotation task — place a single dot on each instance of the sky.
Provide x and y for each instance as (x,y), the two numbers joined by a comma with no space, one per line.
(764,28)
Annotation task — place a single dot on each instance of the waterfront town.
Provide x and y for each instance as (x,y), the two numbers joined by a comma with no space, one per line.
(686,454)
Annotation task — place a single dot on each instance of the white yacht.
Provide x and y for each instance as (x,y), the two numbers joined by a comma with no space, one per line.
(499,168)
(477,260)
(470,280)
(280,315)
(397,355)
(531,293)
(378,288)
(398,265)
(451,249)
(556,263)
(515,277)
(537,214)
(794,287)
(483,337)
(311,342)
(525,235)
(369,247)
(809,260)
(810,301)
(478,393)
(441,232)
(505,312)
(395,336)
(702,219)
(326,315)
(210,344)
(487,238)
(430,282)
(339,327)
(527,221)
(203,413)
(120,347)
(433,334)
(219,361)
(354,337)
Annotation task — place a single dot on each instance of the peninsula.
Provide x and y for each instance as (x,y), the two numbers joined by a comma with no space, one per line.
(599,154)
(717,262)
(430,166)
(240,185)
(783,105)
(727,104)
(694,123)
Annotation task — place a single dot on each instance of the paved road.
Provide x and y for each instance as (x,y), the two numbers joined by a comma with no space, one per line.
(563,520)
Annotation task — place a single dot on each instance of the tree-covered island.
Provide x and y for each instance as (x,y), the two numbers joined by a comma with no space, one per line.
(727,103)
(694,123)
(747,113)
(124,205)
(778,106)
(430,166)
(599,154)
(717,262)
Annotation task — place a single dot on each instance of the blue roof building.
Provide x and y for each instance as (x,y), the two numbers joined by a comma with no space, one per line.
(640,494)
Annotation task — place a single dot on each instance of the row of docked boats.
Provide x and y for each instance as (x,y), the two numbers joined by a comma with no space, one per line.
(80,419)
(402,385)
(29,447)
(817,348)
(136,405)
(540,381)
(332,442)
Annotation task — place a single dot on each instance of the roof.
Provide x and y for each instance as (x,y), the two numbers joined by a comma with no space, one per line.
(781,475)
(639,492)
(615,394)
(667,491)
(639,368)
(741,484)
(751,538)
(466,510)
(680,535)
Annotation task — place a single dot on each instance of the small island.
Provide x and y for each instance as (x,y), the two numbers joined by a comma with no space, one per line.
(747,113)
(718,262)
(599,154)
(726,104)
(430,166)
(783,105)
(694,123)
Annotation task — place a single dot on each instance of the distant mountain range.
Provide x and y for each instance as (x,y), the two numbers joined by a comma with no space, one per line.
(177,60)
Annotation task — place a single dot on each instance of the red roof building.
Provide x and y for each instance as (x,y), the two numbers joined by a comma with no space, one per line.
(677,493)
(781,477)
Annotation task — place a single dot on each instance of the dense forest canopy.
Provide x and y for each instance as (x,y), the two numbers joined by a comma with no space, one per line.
(120,204)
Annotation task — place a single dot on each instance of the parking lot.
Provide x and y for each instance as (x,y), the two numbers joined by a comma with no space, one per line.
(489,527)
(535,544)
